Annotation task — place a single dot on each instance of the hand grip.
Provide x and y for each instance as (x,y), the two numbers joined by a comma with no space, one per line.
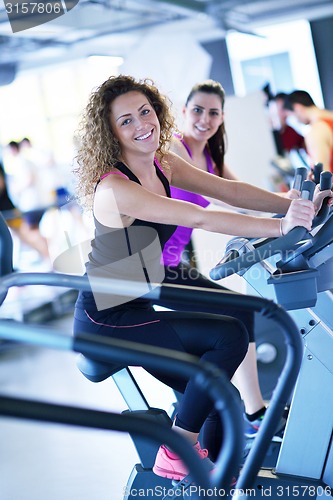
(308,188)
(317,170)
(300,176)
(325,181)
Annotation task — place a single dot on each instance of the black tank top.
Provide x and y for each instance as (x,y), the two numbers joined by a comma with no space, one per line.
(132,253)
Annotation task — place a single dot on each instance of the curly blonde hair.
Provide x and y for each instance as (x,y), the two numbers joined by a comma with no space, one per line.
(98,149)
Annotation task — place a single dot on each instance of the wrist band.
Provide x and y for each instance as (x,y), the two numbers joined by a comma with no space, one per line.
(281,230)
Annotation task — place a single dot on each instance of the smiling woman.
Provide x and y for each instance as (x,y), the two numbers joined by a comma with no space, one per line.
(125,169)
(138,126)
(202,142)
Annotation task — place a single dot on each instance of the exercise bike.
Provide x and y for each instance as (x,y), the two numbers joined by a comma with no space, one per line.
(106,358)
(115,356)
(296,271)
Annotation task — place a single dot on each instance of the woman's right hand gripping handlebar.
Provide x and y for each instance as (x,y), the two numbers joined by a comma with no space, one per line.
(300,213)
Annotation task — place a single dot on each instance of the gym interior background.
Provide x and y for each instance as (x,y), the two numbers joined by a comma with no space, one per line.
(46,74)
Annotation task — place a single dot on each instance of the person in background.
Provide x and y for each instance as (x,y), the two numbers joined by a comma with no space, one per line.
(287,137)
(289,144)
(124,172)
(47,176)
(23,184)
(16,222)
(319,138)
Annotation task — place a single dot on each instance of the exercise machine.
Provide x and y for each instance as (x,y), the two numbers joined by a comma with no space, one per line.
(295,270)
(113,357)
(97,349)
(270,348)
(109,355)
(137,424)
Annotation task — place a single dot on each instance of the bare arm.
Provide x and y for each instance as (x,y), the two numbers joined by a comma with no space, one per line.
(177,147)
(319,143)
(133,201)
(229,174)
(235,193)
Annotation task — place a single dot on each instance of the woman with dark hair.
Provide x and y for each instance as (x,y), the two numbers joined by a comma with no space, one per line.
(203,143)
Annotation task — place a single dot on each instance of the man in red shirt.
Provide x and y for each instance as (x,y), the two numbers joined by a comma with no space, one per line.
(287,137)
(319,139)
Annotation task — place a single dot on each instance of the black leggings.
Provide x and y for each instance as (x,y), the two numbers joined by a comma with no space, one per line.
(184,274)
(218,339)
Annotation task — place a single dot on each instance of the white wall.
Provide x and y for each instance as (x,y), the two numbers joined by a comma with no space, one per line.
(174,63)
(250,146)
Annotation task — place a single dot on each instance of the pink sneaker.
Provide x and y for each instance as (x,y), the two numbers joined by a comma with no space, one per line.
(169,465)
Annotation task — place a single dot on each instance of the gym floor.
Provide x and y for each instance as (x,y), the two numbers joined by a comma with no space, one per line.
(41,461)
